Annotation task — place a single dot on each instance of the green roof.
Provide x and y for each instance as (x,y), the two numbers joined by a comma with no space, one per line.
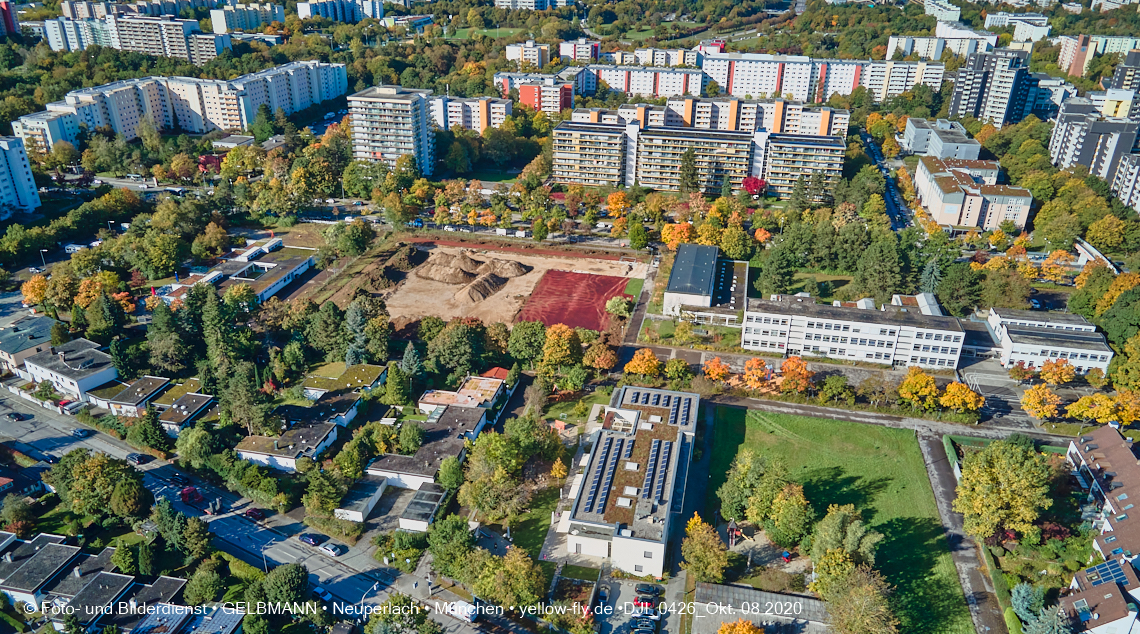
(178,391)
(354,377)
(693,270)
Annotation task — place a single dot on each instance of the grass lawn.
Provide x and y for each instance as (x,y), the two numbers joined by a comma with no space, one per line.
(881,472)
(637,35)
(633,287)
(465,34)
(837,281)
(493,176)
(565,410)
(580,572)
(530,532)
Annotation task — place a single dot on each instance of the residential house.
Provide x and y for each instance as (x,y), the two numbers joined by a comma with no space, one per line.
(25,337)
(133,400)
(72,368)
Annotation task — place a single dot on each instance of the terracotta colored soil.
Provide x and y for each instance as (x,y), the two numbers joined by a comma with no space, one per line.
(575,299)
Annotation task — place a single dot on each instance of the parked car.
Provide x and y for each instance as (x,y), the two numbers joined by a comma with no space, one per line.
(254,514)
(1036,305)
(34,269)
(15,416)
(321,594)
(644,602)
(312,539)
(643,624)
(647,588)
(332,550)
(178,478)
(603,595)
(136,458)
(646,613)
(642,630)
(80,432)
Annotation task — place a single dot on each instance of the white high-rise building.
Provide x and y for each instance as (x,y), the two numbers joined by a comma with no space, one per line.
(162,36)
(245,17)
(476,114)
(580,50)
(1083,137)
(185,103)
(17,187)
(389,122)
(347,11)
(806,79)
(529,52)
(942,10)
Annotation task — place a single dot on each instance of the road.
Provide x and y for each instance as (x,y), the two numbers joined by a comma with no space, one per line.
(897,210)
(351,583)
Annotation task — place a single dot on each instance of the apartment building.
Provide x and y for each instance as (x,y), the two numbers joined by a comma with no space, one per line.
(532,5)
(993,87)
(79,10)
(9,20)
(1048,93)
(667,57)
(1075,55)
(964,194)
(942,10)
(198,105)
(580,50)
(959,35)
(1115,102)
(645,81)
(1127,73)
(161,36)
(1111,44)
(549,98)
(940,139)
(158,8)
(797,326)
(389,122)
(529,52)
(646,437)
(1032,338)
(1082,136)
(347,11)
(476,114)
(624,153)
(18,189)
(245,17)
(1002,19)
(727,113)
(1026,32)
(923,47)
(623,58)
(802,78)
(1126,182)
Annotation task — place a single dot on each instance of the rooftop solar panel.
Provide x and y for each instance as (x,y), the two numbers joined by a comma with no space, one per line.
(628,450)
(650,465)
(645,398)
(665,401)
(597,478)
(1108,572)
(656,399)
(662,471)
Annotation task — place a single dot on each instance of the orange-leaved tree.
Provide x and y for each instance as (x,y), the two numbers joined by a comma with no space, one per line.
(1040,402)
(960,398)
(715,369)
(756,374)
(644,362)
(674,235)
(1057,371)
(796,375)
(918,389)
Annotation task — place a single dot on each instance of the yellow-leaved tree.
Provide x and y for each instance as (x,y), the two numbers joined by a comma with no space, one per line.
(705,556)
(1040,402)
(715,369)
(1005,485)
(644,362)
(919,389)
(960,398)
(1057,371)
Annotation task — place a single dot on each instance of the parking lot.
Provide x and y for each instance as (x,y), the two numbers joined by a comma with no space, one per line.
(621,597)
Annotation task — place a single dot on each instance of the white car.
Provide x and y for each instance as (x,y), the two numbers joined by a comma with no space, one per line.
(331,549)
(645,613)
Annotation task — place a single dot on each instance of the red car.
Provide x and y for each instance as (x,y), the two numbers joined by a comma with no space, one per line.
(254,514)
(643,602)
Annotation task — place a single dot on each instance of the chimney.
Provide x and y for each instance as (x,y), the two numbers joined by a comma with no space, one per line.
(62,356)
(8,557)
(76,573)
(133,603)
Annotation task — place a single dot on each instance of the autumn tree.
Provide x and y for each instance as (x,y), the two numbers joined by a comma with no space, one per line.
(918,388)
(742,626)
(1057,371)
(675,234)
(1095,407)
(1040,402)
(756,374)
(617,204)
(644,363)
(1005,485)
(562,347)
(960,398)
(1018,372)
(790,517)
(705,556)
(34,290)
(715,369)
(843,527)
(795,376)
(1055,267)
(859,603)
(600,356)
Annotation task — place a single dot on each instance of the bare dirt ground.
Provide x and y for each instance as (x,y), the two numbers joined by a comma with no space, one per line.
(416,297)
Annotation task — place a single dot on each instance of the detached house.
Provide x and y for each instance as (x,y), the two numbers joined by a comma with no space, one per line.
(72,368)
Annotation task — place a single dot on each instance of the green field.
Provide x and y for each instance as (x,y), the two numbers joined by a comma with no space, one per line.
(633,287)
(881,472)
(493,176)
(465,34)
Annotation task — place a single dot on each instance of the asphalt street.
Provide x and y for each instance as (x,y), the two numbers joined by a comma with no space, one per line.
(897,210)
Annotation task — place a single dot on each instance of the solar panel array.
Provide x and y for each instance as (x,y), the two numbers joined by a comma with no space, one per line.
(662,471)
(645,398)
(628,450)
(673,411)
(611,465)
(650,466)
(633,398)
(1108,572)
(656,399)
(665,401)
(597,479)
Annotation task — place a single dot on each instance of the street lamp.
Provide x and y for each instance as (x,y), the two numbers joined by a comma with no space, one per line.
(361,604)
(110,226)
(42,259)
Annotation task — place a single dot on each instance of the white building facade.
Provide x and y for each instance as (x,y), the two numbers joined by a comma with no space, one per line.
(18,189)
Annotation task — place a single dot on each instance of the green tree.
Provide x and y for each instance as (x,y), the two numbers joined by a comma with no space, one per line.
(959,290)
(705,556)
(843,527)
(148,431)
(450,542)
(125,559)
(735,243)
(244,403)
(16,510)
(778,271)
(168,352)
(638,236)
(516,581)
(410,363)
(527,340)
(196,539)
(146,559)
(204,586)
(131,499)
(743,478)
(411,438)
(1028,600)
(689,180)
(790,517)
(799,199)
(195,446)
(262,127)
(397,389)
(286,585)
(1003,485)
(450,474)
(860,603)
(1049,621)
(878,272)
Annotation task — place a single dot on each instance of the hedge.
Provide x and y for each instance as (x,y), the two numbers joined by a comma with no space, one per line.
(1001,588)
(1012,623)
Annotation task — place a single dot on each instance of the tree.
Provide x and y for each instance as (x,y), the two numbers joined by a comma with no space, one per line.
(742,626)
(1003,486)
(778,271)
(715,369)
(93,482)
(148,431)
(146,558)
(411,438)
(411,364)
(196,539)
(1049,621)
(918,388)
(675,234)
(450,474)
(960,398)
(843,527)
(799,199)
(859,603)
(836,389)
(516,581)
(397,387)
(790,517)
(130,498)
(878,271)
(795,376)
(1040,402)
(562,347)
(1095,407)
(450,542)
(527,341)
(831,572)
(600,356)
(1018,372)
(1057,372)
(618,306)
(644,363)
(16,512)
(204,586)
(1027,600)
(742,480)
(558,469)
(735,243)
(757,375)
(638,236)
(959,289)
(34,290)
(125,559)
(689,180)
(704,554)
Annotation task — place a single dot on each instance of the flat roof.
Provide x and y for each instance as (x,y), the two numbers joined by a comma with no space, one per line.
(40,567)
(445,435)
(185,408)
(162,590)
(163,619)
(424,503)
(1040,316)
(742,598)
(218,620)
(1082,339)
(389,93)
(177,391)
(75,360)
(284,260)
(357,497)
(141,390)
(81,572)
(25,550)
(354,377)
(694,268)
(977,334)
(808,307)
(292,443)
(25,333)
(89,604)
(632,470)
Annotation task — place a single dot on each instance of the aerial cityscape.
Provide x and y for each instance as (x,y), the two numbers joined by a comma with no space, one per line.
(545,316)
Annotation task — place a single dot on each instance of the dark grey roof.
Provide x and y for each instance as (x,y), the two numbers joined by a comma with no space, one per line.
(185,408)
(977,335)
(161,619)
(742,598)
(163,590)
(90,604)
(222,619)
(808,308)
(693,270)
(40,567)
(24,551)
(424,503)
(361,492)
(26,332)
(141,390)
(1080,339)
(1036,315)
(68,583)
(444,436)
(81,359)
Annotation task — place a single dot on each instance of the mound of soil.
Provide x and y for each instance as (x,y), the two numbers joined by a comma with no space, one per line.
(405,259)
(504,268)
(483,287)
(443,273)
(467,263)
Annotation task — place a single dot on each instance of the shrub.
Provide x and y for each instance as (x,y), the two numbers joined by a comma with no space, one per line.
(1012,622)
(997,551)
